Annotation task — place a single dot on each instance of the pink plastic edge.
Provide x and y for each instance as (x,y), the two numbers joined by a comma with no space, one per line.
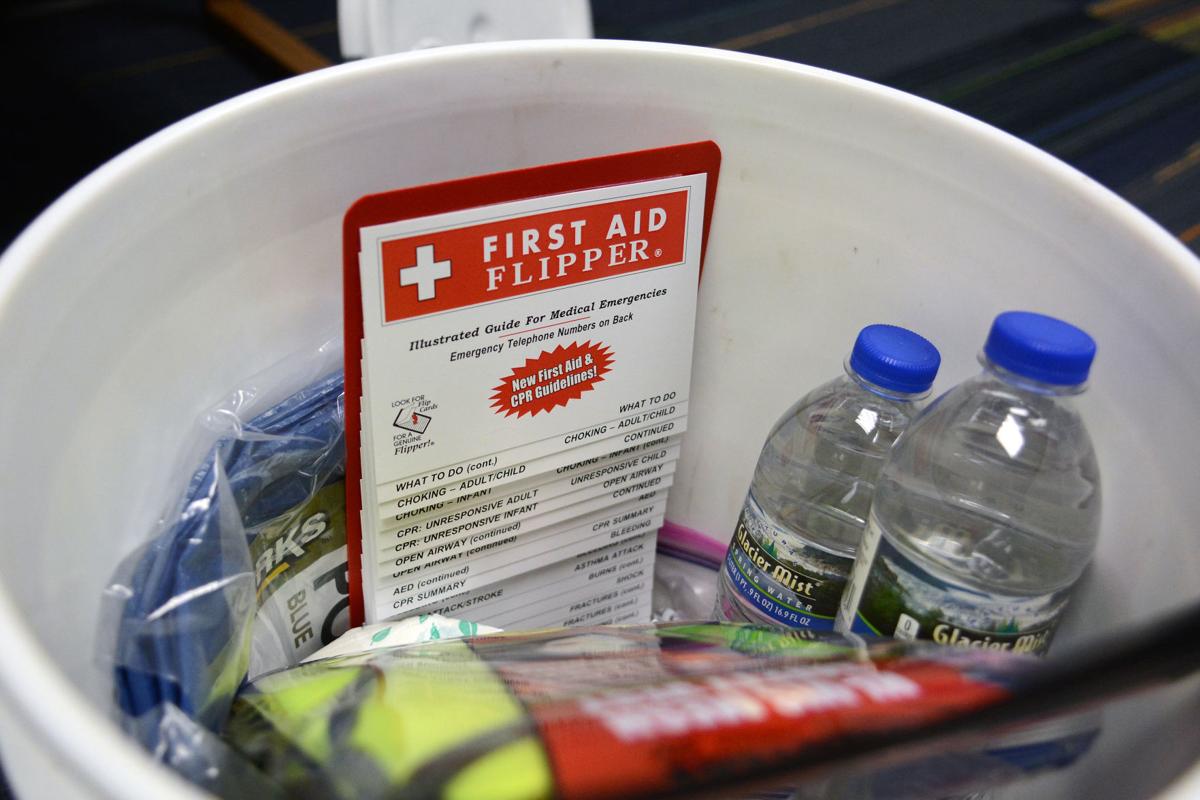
(687,540)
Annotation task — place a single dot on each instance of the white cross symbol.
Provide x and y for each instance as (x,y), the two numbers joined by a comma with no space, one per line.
(425,273)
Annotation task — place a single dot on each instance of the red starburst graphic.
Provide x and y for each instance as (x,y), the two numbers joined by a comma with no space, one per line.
(553,379)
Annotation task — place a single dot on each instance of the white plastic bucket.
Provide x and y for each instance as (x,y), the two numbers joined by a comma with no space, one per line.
(211,250)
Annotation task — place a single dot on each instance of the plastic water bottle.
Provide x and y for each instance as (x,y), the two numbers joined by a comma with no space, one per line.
(802,520)
(989,508)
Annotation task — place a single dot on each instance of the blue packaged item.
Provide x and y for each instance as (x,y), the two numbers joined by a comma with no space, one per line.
(185,601)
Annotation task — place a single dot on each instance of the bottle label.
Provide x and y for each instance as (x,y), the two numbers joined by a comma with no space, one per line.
(890,595)
(799,588)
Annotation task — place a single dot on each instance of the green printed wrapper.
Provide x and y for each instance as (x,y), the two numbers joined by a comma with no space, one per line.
(616,711)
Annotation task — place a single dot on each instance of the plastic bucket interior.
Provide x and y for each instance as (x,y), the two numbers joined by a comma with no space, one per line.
(211,251)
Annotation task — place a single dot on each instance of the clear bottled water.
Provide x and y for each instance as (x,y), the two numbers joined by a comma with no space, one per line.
(804,515)
(988,509)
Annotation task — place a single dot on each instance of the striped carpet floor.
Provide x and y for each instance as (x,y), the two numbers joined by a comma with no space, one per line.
(1112,87)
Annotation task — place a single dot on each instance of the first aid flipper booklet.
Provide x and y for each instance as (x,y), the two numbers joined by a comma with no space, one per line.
(489,318)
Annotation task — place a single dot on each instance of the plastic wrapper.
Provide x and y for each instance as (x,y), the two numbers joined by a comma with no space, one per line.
(959,774)
(248,568)
(685,574)
(618,711)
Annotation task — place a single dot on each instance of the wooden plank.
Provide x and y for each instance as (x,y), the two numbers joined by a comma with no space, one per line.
(266,35)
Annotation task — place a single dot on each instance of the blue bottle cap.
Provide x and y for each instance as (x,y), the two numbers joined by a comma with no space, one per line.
(1040,348)
(895,358)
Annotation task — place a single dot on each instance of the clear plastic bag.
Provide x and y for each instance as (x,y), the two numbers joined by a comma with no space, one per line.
(192,611)
(685,574)
(182,607)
